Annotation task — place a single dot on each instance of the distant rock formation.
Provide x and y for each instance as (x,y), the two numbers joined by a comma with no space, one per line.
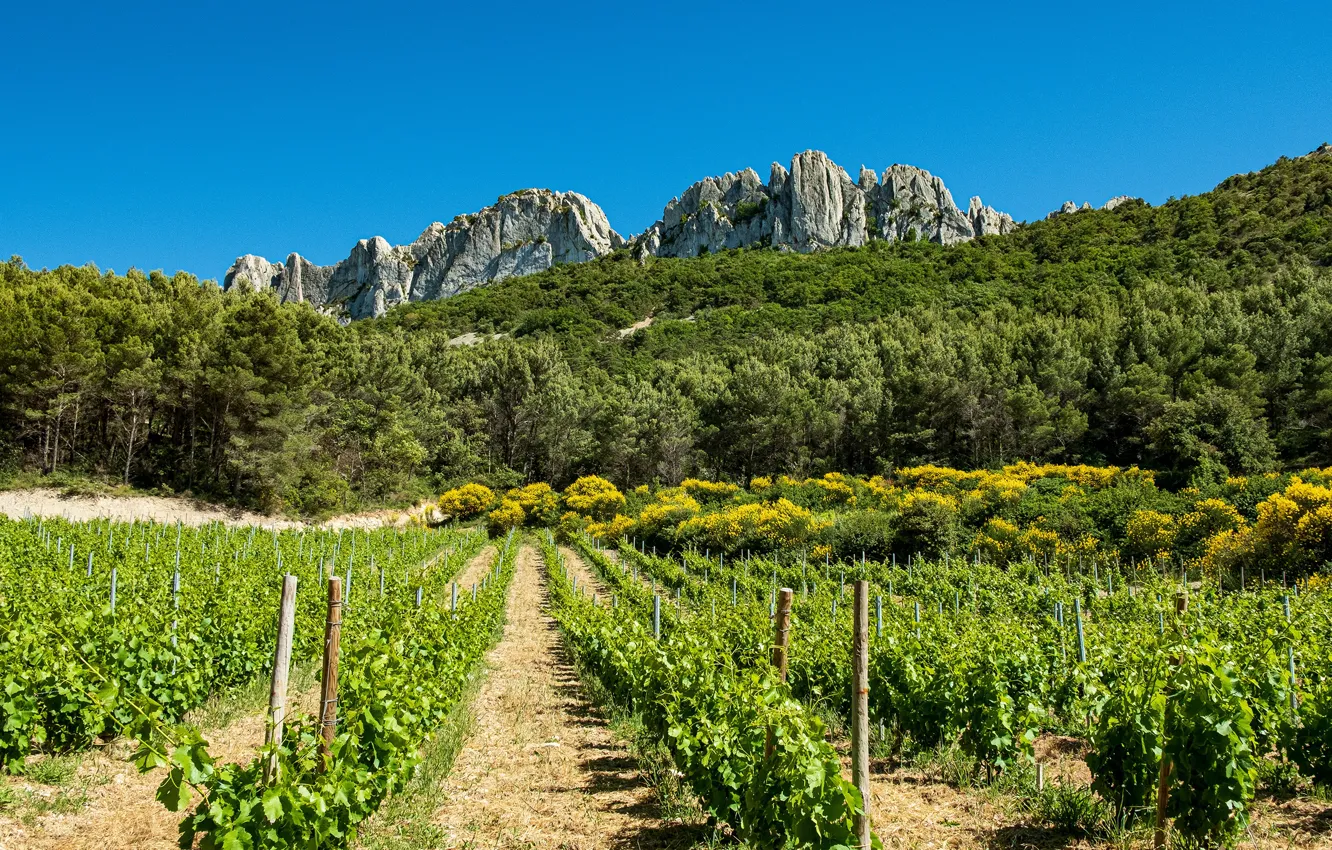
(523,232)
(812,206)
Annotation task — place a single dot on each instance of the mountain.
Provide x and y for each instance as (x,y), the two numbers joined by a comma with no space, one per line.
(811,206)
(523,232)
(815,205)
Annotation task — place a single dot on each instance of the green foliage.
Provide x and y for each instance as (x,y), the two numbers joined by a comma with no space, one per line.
(1195,336)
(1313,741)
(1072,810)
(713,716)
(1125,756)
(397,684)
(1209,742)
(72,669)
(988,665)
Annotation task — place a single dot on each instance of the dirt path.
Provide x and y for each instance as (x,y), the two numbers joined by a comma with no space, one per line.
(106,804)
(541,768)
(475,569)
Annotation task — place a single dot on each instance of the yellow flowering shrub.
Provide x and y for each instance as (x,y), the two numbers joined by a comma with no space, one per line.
(1038,543)
(938,478)
(929,522)
(571,525)
(466,501)
(1274,530)
(834,489)
(1149,533)
(1225,552)
(1293,531)
(760,484)
(1310,497)
(995,491)
(708,489)
(882,494)
(1314,532)
(612,529)
(594,497)
(919,502)
(540,504)
(996,541)
(508,515)
(773,525)
(671,508)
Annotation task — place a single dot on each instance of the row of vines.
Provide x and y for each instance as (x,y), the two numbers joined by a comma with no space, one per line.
(987,658)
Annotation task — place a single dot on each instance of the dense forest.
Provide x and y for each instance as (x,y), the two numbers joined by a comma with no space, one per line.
(1194,338)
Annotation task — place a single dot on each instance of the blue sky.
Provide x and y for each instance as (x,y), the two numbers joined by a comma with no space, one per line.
(178,136)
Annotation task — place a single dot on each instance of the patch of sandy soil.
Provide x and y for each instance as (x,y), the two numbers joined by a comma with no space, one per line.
(635,327)
(119,809)
(541,767)
(50,502)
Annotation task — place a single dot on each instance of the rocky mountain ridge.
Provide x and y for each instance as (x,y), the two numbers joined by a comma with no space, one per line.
(523,232)
(812,205)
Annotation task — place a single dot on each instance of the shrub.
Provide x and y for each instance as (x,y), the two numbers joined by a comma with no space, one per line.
(594,497)
(466,501)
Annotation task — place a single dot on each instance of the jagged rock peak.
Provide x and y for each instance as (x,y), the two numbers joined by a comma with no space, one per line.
(814,205)
(1117,201)
(522,232)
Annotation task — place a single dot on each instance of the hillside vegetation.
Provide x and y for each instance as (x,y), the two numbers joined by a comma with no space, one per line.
(1194,338)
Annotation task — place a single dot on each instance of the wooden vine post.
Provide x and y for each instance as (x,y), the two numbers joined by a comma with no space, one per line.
(328,697)
(277,694)
(1163,783)
(781,626)
(860,713)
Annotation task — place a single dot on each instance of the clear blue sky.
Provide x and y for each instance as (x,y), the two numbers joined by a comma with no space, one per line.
(179,136)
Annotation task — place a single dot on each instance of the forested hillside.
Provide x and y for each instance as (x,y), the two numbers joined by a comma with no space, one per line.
(1194,338)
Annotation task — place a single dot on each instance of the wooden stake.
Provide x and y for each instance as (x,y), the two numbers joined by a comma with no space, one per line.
(328,697)
(860,712)
(277,694)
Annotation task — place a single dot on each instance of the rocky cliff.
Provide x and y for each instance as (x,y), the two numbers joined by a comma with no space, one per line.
(815,205)
(811,206)
(522,233)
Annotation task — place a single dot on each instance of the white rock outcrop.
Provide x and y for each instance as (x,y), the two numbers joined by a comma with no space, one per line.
(814,205)
(522,233)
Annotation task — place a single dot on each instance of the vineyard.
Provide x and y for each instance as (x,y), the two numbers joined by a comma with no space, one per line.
(1091,658)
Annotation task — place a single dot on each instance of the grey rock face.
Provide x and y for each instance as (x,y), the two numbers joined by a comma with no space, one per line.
(812,206)
(252,271)
(987,221)
(1117,200)
(524,232)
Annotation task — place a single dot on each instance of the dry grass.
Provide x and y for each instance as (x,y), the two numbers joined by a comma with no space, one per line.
(475,569)
(104,803)
(542,768)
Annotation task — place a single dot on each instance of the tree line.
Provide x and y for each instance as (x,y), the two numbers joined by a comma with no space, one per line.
(1194,338)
